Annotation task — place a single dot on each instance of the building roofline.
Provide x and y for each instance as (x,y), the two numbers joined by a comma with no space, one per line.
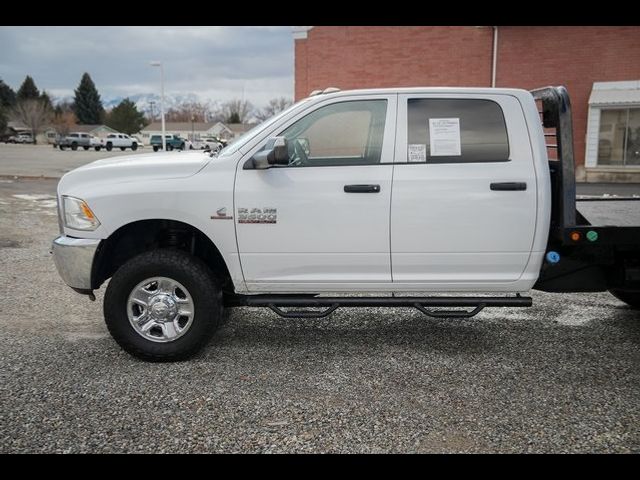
(300,32)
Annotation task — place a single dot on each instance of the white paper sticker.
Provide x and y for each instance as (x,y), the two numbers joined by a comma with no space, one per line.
(417,152)
(444,136)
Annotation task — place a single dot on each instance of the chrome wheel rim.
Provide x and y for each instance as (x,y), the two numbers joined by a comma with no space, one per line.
(160,309)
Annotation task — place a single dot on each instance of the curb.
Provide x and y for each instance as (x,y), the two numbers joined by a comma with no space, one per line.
(27,177)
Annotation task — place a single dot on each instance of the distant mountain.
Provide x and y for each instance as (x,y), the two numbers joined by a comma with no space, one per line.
(143,100)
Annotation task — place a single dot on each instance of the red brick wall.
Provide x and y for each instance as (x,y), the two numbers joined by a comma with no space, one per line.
(361,57)
(528,57)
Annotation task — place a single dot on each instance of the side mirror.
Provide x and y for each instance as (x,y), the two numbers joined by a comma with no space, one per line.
(276,152)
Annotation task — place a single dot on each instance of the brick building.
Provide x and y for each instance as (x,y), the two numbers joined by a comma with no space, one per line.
(600,66)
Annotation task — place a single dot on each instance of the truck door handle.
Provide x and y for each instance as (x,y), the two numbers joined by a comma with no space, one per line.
(362,188)
(503,186)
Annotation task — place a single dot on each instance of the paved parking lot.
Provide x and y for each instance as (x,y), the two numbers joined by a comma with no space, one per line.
(44,160)
(562,376)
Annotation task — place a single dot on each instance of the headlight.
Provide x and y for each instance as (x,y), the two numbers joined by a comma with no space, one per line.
(78,215)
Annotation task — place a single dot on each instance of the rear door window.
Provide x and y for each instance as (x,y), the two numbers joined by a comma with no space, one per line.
(442,130)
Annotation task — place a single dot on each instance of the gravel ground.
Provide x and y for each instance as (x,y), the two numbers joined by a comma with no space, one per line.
(562,376)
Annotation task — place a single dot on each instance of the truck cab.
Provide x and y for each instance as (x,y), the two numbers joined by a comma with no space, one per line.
(417,190)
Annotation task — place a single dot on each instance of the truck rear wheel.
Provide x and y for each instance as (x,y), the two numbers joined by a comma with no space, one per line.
(163,305)
(155,148)
(109,146)
(630,298)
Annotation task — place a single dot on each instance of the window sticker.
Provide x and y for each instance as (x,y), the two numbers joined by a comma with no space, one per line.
(417,152)
(444,137)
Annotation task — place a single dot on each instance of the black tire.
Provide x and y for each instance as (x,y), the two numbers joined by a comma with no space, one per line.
(182,146)
(74,146)
(61,147)
(182,267)
(97,149)
(630,298)
(123,148)
(86,148)
(156,148)
(169,148)
(134,146)
(109,146)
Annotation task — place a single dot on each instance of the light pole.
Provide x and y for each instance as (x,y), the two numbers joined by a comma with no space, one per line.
(159,64)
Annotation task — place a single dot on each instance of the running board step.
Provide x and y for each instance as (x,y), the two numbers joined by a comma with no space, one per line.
(302,304)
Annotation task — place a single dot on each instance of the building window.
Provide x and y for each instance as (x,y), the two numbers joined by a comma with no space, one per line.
(619,137)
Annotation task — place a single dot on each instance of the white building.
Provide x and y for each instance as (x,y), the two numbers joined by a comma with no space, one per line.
(196,130)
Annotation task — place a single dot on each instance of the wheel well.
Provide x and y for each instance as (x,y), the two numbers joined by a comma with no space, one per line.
(144,235)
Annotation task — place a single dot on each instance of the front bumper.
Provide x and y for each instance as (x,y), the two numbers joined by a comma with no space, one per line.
(73,258)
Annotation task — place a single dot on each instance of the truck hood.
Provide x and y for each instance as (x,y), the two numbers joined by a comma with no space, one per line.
(132,168)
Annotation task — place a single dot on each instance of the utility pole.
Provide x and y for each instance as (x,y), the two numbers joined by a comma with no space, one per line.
(164,139)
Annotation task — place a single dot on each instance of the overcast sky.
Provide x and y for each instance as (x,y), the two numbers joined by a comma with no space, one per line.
(216,63)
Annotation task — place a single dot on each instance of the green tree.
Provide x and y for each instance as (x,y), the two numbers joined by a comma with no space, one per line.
(126,118)
(88,105)
(3,120)
(46,99)
(7,95)
(28,90)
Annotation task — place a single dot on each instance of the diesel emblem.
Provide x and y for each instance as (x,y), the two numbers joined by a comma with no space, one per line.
(257,215)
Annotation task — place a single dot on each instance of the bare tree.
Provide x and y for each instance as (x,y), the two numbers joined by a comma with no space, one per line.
(190,111)
(34,113)
(275,106)
(235,111)
(64,121)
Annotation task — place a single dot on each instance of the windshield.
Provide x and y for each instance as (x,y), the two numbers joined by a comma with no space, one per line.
(249,134)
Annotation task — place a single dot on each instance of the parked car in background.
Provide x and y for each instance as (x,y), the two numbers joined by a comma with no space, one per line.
(207,143)
(96,142)
(74,140)
(120,140)
(172,141)
(24,137)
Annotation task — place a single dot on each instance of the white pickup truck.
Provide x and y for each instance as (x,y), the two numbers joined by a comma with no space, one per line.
(121,141)
(407,191)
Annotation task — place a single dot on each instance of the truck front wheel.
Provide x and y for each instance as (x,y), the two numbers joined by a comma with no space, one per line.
(630,298)
(163,305)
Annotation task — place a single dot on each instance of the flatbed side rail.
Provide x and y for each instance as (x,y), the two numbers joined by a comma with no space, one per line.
(556,114)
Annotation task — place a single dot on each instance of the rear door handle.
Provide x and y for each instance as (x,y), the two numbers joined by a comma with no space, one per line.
(503,186)
(362,188)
